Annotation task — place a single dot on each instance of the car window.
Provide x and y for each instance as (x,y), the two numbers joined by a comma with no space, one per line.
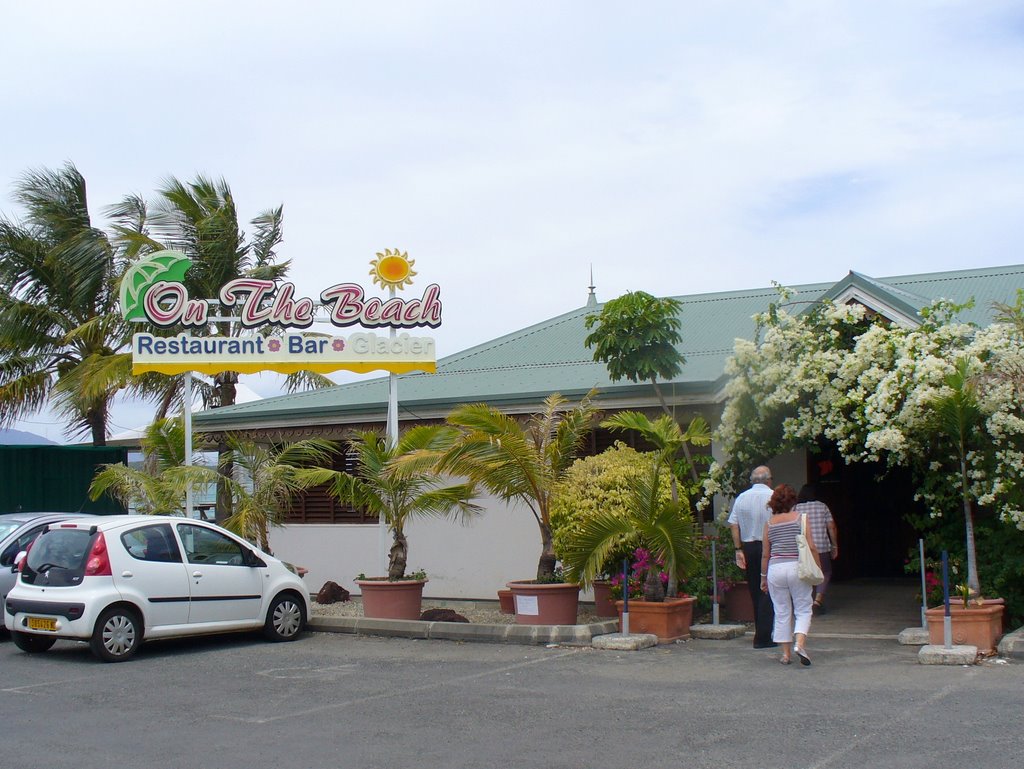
(203,545)
(60,554)
(152,543)
(6,527)
(20,543)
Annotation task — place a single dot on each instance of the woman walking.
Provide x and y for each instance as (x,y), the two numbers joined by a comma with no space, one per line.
(790,596)
(821,524)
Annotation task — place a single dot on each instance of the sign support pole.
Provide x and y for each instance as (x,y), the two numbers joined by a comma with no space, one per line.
(392,437)
(186,410)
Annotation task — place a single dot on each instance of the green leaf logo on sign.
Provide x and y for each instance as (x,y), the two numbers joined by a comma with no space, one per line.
(168,266)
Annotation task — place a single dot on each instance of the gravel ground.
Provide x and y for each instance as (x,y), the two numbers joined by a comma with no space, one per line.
(482,613)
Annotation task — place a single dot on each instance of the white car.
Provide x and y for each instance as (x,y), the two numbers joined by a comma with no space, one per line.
(116,581)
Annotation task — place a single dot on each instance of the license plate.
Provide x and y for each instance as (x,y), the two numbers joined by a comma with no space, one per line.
(42,623)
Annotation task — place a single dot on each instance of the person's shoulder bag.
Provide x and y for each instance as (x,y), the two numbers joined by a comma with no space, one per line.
(807,568)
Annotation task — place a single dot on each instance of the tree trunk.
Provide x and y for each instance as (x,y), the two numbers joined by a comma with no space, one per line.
(686,449)
(97,427)
(398,557)
(546,565)
(972,558)
(653,589)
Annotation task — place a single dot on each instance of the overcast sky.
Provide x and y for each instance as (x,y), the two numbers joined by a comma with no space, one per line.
(673,147)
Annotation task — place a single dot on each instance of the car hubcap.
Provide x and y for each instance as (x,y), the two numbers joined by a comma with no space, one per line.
(118,635)
(287,618)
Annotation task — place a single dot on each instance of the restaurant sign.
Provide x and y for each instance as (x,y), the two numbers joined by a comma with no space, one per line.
(273,319)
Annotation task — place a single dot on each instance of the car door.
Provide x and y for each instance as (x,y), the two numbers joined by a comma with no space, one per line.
(155,574)
(224,589)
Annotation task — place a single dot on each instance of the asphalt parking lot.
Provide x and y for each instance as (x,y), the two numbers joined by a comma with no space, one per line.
(346,701)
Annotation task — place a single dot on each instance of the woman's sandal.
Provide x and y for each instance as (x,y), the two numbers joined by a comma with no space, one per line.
(804,659)
(785,660)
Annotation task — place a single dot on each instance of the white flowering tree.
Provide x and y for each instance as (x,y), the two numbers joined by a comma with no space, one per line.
(871,388)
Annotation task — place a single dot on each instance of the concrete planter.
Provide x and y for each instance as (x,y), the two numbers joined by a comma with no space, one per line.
(669,620)
(401,599)
(538,603)
(980,626)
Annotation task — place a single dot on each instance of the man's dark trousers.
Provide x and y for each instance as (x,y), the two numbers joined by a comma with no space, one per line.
(764,612)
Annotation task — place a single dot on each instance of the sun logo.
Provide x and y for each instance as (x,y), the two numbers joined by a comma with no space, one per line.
(392,269)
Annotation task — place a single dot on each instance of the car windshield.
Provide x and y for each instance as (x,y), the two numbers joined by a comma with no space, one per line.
(58,557)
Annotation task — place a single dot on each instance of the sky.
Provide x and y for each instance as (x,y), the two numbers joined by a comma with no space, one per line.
(511,149)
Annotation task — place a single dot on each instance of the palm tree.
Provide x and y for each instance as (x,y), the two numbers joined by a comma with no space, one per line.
(265,479)
(519,461)
(958,421)
(58,307)
(200,220)
(160,486)
(387,484)
(663,527)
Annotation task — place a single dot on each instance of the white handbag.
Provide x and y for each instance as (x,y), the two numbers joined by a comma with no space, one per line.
(807,568)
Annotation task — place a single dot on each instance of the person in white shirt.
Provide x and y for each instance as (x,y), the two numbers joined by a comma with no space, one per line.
(747,520)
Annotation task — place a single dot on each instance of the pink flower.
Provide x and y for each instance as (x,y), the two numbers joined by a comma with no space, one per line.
(338,345)
(274,345)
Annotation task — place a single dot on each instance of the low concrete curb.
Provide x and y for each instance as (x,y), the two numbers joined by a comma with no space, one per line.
(625,643)
(1012,645)
(717,632)
(569,635)
(914,636)
(952,655)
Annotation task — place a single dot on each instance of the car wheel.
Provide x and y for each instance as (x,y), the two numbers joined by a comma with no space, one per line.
(285,619)
(33,644)
(117,635)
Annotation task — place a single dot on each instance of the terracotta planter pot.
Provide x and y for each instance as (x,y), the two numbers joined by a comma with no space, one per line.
(506,602)
(736,605)
(554,603)
(604,606)
(980,626)
(401,599)
(669,620)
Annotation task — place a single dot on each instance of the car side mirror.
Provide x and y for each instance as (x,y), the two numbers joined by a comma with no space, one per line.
(251,559)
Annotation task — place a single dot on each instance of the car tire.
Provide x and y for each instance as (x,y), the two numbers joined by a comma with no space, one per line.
(117,635)
(286,618)
(32,644)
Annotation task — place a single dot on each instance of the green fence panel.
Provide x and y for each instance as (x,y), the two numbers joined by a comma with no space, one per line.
(55,478)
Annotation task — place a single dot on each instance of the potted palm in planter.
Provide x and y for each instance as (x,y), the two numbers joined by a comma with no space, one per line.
(957,420)
(397,493)
(667,536)
(523,462)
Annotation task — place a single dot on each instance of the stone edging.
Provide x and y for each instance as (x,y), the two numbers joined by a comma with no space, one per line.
(570,635)
(1012,645)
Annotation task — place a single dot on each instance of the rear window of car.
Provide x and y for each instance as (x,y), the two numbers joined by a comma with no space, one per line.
(58,557)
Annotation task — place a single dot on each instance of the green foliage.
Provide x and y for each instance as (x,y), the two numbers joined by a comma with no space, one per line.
(636,337)
(698,582)
(593,485)
(662,528)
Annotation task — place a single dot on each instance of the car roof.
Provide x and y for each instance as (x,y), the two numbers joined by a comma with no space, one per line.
(107,522)
(30,517)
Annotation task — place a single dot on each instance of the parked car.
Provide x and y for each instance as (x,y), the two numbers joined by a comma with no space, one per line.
(116,581)
(17,532)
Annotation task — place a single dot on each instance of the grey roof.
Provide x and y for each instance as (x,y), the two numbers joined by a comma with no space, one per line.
(521,368)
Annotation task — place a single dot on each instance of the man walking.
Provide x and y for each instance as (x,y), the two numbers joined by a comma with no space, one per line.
(747,519)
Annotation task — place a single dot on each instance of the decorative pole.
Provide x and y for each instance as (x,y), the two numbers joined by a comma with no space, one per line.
(947,620)
(924,586)
(625,596)
(714,585)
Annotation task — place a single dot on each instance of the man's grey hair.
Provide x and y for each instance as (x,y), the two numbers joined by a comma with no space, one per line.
(761,475)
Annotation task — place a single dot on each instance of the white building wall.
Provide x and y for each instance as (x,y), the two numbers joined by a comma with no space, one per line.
(471,561)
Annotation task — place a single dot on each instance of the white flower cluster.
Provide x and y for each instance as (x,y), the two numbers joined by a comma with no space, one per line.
(870,387)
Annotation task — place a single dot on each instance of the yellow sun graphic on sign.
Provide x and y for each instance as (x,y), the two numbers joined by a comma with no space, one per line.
(392,269)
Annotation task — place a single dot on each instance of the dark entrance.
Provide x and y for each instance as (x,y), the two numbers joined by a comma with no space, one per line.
(869,505)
